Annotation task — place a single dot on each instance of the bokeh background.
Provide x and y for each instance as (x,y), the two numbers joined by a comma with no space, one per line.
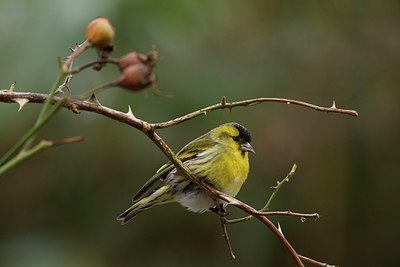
(59,208)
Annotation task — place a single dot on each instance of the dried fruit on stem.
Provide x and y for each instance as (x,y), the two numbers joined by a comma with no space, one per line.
(100,33)
(136,77)
(131,58)
(137,70)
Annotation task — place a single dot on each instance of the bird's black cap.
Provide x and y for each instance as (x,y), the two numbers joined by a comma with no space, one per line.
(243,132)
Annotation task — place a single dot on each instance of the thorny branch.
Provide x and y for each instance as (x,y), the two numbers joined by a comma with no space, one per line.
(150,128)
(229,105)
(303,216)
(77,105)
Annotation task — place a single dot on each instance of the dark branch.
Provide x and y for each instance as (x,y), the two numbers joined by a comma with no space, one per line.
(77,105)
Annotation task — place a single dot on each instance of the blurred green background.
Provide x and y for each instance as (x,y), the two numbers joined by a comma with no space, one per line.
(59,208)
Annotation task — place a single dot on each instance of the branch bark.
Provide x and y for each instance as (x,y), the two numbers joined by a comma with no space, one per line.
(250,102)
(78,105)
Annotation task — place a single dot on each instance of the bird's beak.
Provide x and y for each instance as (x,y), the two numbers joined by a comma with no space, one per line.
(246,147)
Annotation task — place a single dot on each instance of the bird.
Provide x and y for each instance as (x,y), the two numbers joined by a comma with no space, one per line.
(219,158)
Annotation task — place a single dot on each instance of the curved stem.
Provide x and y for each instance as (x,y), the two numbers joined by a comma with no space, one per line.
(250,102)
(50,97)
(42,145)
(79,49)
(275,191)
(278,186)
(24,155)
(315,262)
(303,216)
(90,64)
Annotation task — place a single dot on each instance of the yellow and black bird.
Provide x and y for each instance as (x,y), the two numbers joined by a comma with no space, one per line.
(218,158)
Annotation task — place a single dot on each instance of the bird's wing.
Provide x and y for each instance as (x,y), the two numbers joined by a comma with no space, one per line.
(188,152)
(159,176)
(195,147)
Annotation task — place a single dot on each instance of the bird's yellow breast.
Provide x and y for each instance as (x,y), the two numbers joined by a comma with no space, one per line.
(227,172)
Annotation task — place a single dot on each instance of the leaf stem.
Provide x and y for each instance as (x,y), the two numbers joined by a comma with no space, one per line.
(24,155)
(52,92)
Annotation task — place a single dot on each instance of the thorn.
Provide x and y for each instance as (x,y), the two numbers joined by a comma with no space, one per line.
(276,186)
(68,79)
(294,168)
(65,84)
(223,101)
(93,99)
(21,102)
(334,105)
(130,113)
(12,86)
(60,89)
(280,229)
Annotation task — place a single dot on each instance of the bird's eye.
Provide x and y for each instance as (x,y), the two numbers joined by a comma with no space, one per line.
(235,138)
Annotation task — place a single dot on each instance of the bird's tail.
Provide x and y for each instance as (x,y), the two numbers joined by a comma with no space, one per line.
(160,196)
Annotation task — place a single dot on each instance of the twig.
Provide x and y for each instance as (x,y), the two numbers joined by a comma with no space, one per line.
(79,49)
(221,211)
(314,262)
(93,63)
(67,65)
(275,191)
(223,104)
(226,237)
(278,186)
(250,210)
(67,141)
(24,155)
(76,105)
(303,216)
(52,92)
(42,145)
